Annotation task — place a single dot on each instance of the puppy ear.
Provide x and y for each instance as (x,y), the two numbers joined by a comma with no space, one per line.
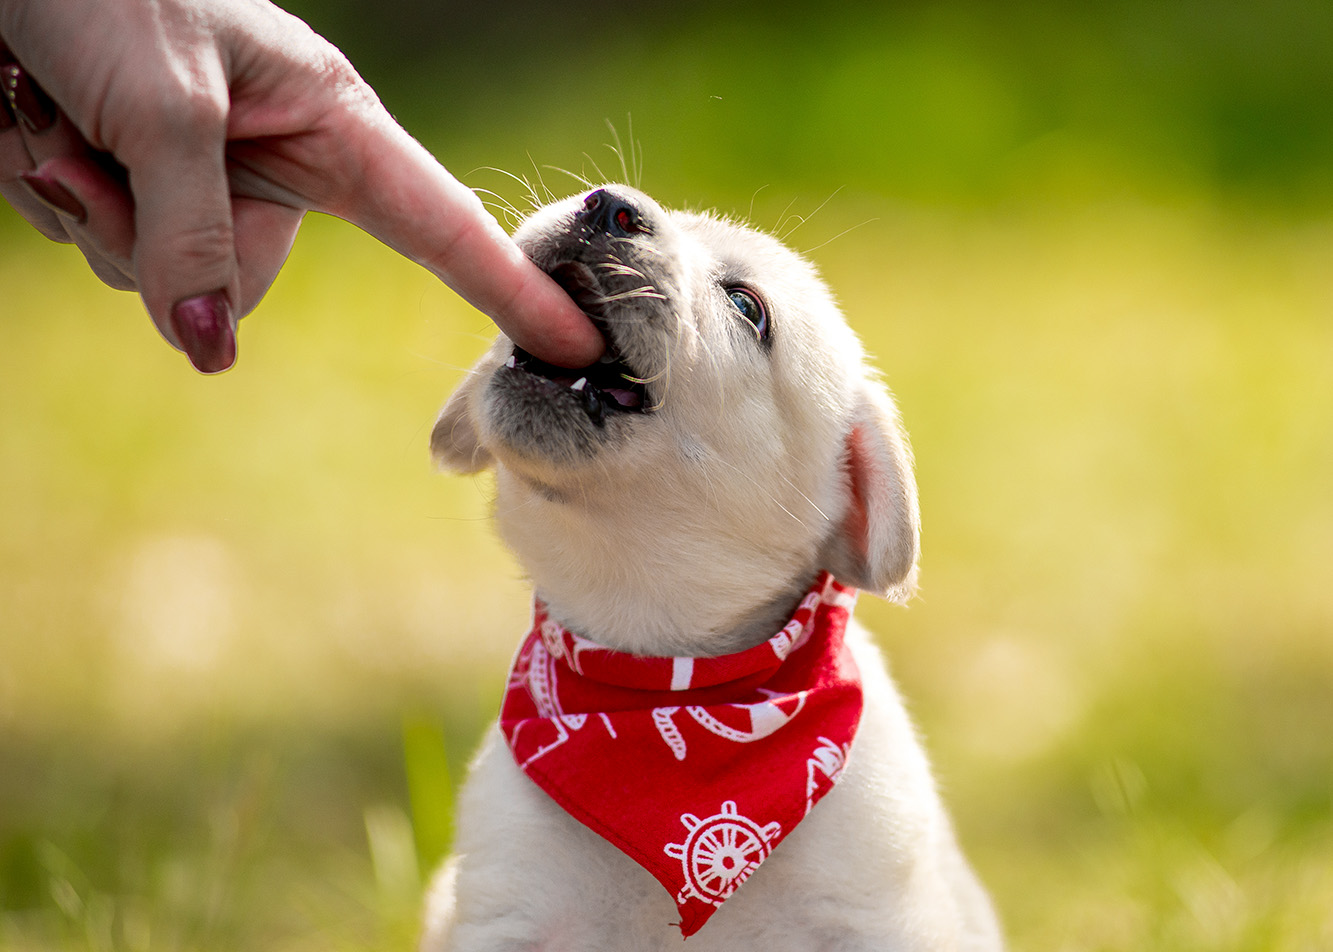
(454,442)
(876,546)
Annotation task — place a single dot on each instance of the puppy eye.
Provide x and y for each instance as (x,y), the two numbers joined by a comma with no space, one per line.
(751,308)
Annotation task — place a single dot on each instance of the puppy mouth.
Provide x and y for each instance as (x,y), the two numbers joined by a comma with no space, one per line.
(607,387)
(577,280)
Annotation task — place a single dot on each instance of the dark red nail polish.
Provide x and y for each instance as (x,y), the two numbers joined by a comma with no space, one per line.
(33,107)
(203,327)
(55,196)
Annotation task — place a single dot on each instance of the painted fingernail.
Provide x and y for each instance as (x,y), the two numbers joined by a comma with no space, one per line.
(54,196)
(33,107)
(203,327)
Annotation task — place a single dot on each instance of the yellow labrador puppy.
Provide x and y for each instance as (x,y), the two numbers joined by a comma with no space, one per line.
(696,740)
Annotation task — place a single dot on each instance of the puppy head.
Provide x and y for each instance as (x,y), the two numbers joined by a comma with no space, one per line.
(732,433)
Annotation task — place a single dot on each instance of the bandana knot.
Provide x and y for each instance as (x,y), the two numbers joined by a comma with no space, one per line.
(696,768)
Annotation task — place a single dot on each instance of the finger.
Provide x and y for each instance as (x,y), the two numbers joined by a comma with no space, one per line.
(92,207)
(47,145)
(52,144)
(33,211)
(72,215)
(184,255)
(409,201)
(15,160)
(97,212)
(265,233)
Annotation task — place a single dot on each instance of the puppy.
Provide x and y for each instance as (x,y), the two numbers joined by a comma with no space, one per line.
(696,740)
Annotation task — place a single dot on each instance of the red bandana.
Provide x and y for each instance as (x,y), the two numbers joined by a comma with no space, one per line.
(696,768)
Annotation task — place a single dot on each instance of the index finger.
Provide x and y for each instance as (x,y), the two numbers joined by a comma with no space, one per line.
(417,208)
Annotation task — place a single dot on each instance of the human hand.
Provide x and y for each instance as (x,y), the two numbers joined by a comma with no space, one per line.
(182,141)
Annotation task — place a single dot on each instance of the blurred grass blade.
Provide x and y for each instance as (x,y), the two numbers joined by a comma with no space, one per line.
(392,851)
(430,789)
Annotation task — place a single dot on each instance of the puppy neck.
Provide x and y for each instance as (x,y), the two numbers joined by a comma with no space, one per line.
(650,577)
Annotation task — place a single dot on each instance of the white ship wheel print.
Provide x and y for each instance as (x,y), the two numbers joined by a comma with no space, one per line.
(720,852)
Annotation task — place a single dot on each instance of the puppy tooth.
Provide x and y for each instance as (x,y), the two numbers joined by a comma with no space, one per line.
(578,384)
(511,363)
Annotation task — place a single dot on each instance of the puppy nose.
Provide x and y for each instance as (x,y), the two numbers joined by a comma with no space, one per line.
(606,212)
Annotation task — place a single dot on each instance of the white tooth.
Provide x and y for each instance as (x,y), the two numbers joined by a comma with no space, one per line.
(511,363)
(578,384)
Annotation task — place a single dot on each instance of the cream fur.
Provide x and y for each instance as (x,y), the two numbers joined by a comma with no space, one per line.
(761,462)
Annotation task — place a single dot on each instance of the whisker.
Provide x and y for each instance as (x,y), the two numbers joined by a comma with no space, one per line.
(619,267)
(550,196)
(646,380)
(839,235)
(822,514)
(649,292)
(635,151)
(774,499)
(618,150)
(595,167)
(750,216)
(586,183)
(771,498)
(520,179)
(817,210)
(501,212)
(501,203)
(782,219)
(640,247)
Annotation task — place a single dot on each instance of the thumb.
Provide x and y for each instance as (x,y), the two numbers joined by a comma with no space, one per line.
(185,248)
(410,202)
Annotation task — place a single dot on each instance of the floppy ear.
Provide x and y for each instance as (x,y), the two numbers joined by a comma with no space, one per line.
(877,543)
(454,441)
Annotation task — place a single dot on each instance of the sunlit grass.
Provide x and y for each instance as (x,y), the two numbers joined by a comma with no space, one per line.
(229,606)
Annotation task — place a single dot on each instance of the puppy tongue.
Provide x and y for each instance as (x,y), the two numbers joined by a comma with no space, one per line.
(626,398)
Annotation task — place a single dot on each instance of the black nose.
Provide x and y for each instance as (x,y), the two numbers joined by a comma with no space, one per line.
(606,212)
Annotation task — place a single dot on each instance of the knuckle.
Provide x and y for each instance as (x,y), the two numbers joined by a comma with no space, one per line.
(170,109)
(200,247)
(327,61)
(336,73)
(192,111)
(333,65)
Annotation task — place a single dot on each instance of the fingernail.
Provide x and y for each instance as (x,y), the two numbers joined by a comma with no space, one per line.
(33,107)
(203,327)
(54,196)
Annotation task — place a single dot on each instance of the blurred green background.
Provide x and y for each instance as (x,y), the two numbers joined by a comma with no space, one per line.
(248,637)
